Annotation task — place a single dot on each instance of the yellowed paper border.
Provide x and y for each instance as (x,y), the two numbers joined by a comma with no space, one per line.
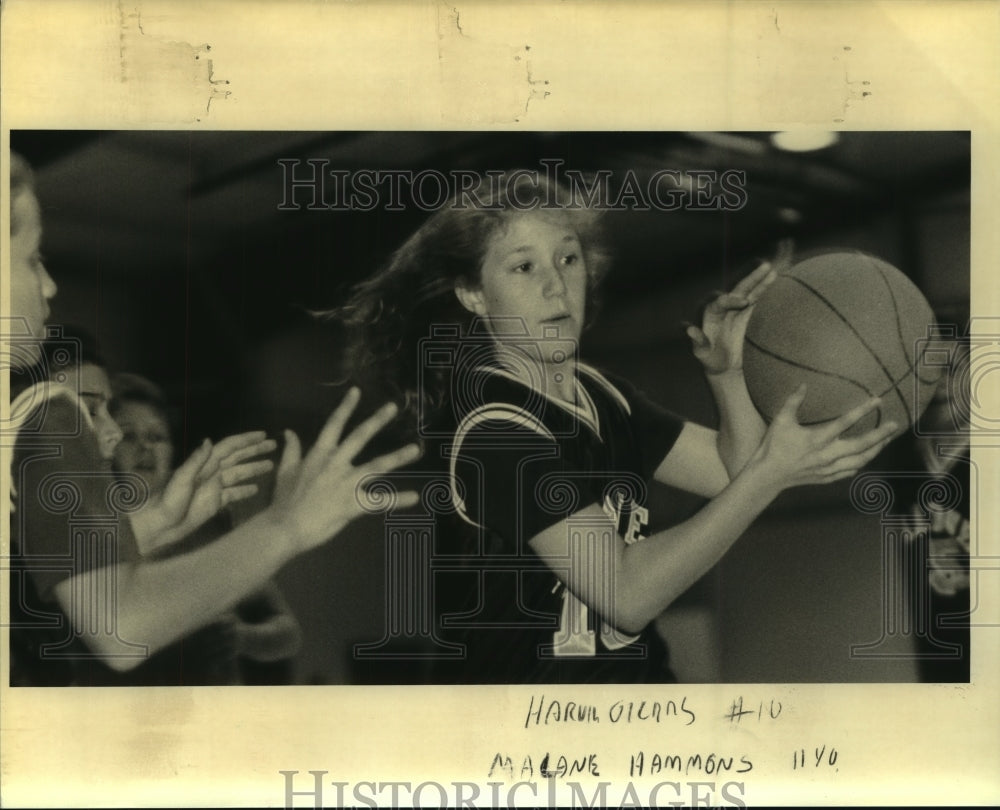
(511,65)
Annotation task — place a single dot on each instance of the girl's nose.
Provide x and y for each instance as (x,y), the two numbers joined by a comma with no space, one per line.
(112,434)
(554,283)
(49,288)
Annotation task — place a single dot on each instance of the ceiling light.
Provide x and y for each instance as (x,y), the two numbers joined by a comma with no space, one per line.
(804,140)
(790,216)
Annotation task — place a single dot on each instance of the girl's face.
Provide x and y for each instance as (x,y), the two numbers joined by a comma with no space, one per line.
(533,280)
(91,382)
(145,448)
(31,286)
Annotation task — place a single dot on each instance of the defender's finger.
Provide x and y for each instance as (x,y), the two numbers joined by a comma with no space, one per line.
(329,437)
(291,455)
(240,493)
(244,472)
(193,471)
(261,448)
(392,461)
(231,444)
(404,500)
(364,432)
(195,463)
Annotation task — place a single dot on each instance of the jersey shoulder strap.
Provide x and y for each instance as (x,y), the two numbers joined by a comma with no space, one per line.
(603,384)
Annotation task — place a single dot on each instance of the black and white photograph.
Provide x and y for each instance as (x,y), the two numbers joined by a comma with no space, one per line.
(575,330)
(620,461)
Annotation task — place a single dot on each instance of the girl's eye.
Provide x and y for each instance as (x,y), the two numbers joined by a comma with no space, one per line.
(523,268)
(570,258)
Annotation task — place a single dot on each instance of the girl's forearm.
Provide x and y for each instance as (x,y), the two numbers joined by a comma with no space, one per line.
(629,585)
(741,426)
(155,602)
(652,573)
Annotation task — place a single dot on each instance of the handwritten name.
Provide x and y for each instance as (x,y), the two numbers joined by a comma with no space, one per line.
(542,713)
(550,766)
(646,764)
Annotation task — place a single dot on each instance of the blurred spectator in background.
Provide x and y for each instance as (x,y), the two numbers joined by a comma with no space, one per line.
(929,469)
(942,449)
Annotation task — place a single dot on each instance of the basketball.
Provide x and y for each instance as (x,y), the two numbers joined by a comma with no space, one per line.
(850,326)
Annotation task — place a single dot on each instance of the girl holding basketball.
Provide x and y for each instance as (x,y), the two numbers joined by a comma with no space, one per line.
(548,460)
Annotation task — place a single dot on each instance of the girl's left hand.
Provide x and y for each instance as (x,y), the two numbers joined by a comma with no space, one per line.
(213,477)
(718,344)
(226,476)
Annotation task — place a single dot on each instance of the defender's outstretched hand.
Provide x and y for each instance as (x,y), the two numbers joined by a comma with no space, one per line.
(797,454)
(316,496)
(225,475)
(211,478)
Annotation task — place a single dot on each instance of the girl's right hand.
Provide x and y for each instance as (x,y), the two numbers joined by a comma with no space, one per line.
(316,496)
(795,454)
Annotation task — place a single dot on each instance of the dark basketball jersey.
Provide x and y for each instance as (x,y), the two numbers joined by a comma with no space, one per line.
(520,462)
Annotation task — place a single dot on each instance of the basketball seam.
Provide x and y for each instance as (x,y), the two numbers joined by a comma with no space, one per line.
(803,366)
(857,334)
(797,364)
(912,368)
(895,307)
(894,384)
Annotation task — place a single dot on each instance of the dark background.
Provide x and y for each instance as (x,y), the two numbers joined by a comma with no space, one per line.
(170,247)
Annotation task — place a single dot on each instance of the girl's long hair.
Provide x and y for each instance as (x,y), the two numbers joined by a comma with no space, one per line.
(391,315)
